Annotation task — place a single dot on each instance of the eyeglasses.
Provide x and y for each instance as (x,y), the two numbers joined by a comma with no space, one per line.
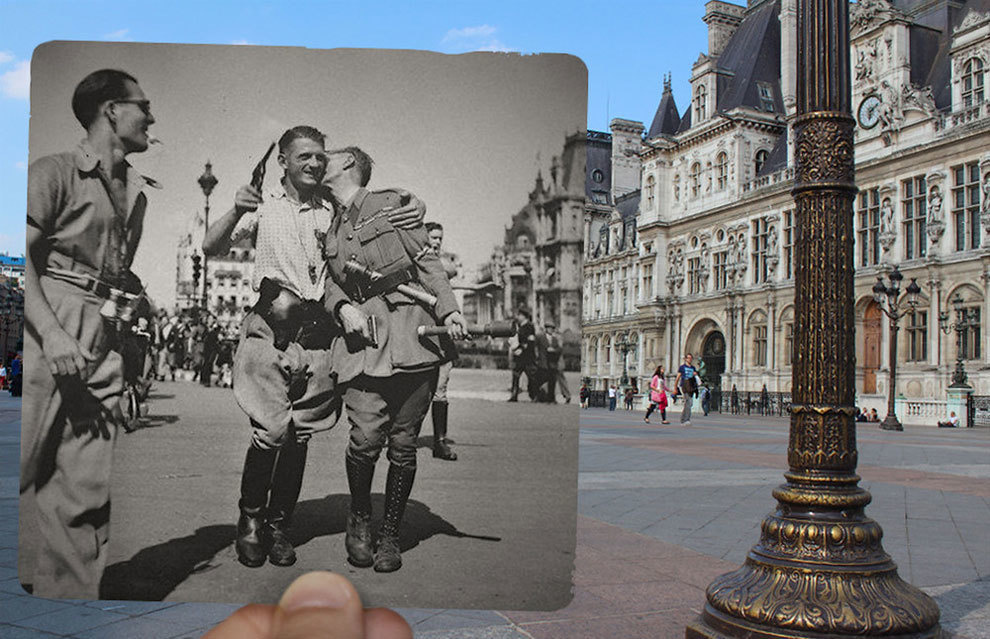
(144,105)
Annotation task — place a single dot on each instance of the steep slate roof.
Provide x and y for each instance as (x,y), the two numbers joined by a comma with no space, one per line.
(628,204)
(599,157)
(752,55)
(666,121)
(930,61)
(685,120)
(777,159)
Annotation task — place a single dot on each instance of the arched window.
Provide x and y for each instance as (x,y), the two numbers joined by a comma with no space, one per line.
(761,159)
(700,103)
(721,171)
(607,349)
(650,184)
(972,82)
(695,179)
(758,331)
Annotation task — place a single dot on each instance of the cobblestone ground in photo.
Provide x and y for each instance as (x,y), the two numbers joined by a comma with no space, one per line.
(662,509)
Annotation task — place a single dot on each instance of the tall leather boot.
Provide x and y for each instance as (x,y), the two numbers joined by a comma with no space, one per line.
(515,386)
(286,485)
(440,448)
(397,488)
(252,534)
(358,538)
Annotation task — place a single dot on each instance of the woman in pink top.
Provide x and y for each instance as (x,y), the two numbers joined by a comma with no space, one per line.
(658,395)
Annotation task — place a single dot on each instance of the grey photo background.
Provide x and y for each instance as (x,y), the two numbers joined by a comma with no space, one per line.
(467,134)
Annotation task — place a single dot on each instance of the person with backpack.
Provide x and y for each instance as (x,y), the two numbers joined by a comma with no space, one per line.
(687,384)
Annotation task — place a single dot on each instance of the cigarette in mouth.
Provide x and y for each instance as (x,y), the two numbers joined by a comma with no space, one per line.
(153,140)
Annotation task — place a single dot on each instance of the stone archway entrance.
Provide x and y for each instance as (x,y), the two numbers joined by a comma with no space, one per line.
(871,347)
(713,354)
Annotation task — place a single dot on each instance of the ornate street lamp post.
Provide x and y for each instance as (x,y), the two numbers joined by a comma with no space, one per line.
(886,297)
(819,569)
(624,346)
(965,319)
(207,182)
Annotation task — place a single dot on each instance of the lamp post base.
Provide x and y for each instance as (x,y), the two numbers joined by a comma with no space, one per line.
(891,423)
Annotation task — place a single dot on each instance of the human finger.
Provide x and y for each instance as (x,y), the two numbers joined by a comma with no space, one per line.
(250,622)
(319,605)
(382,623)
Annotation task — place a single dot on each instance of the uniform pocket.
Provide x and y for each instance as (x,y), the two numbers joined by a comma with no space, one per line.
(382,247)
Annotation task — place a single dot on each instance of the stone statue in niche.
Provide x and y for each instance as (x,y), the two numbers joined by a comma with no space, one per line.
(886,217)
(934,206)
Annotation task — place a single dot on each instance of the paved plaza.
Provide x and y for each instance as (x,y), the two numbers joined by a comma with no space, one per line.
(661,511)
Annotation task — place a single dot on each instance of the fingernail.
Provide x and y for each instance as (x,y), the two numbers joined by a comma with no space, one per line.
(316,590)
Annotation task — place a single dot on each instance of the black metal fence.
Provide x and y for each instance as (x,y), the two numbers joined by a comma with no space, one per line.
(751,403)
(978,411)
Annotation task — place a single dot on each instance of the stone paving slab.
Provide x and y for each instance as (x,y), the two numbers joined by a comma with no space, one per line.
(662,512)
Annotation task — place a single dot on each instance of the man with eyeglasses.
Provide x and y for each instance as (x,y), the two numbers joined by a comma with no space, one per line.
(85,213)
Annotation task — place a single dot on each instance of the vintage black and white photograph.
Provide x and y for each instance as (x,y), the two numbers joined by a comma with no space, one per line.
(291,309)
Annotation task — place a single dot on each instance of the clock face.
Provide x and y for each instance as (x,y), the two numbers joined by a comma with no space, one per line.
(869,111)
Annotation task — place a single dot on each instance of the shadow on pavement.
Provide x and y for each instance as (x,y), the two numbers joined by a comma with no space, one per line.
(154,572)
(328,516)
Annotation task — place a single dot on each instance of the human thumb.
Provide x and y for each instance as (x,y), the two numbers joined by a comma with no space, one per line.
(319,605)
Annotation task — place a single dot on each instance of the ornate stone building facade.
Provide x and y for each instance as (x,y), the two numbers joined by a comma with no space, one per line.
(538,265)
(711,266)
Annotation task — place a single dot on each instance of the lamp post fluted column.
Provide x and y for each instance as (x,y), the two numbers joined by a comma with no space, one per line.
(819,569)
(207,182)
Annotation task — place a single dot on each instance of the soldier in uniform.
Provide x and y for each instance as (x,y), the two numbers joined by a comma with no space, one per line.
(85,215)
(438,409)
(282,373)
(388,379)
(524,356)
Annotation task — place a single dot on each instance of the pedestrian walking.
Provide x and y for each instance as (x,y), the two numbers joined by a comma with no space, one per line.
(687,383)
(555,368)
(705,394)
(584,394)
(85,213)
(524,356)
(658,395)
(388,380)
(612,396)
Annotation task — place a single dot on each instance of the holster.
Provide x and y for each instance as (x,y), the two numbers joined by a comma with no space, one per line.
(362,289)
(293,319)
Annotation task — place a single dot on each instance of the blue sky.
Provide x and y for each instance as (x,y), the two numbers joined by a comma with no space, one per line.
(627,47)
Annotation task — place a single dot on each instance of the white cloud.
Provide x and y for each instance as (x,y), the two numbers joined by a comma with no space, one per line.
(495,45)
(241,41)
(470,32)
(480,38)
(120,35)
(21,165)
(6,57)
(16,83)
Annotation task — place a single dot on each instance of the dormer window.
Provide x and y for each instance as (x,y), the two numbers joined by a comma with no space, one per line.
(972,82)
(700,103)
(761,159)
(650,184)
(766,96)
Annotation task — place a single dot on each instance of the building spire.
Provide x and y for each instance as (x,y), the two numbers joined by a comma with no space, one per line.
(666,82)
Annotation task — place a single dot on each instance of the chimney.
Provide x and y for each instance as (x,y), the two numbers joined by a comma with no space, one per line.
(722,19)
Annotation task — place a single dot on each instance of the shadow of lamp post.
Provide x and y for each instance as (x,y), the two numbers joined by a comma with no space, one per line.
(887,297)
